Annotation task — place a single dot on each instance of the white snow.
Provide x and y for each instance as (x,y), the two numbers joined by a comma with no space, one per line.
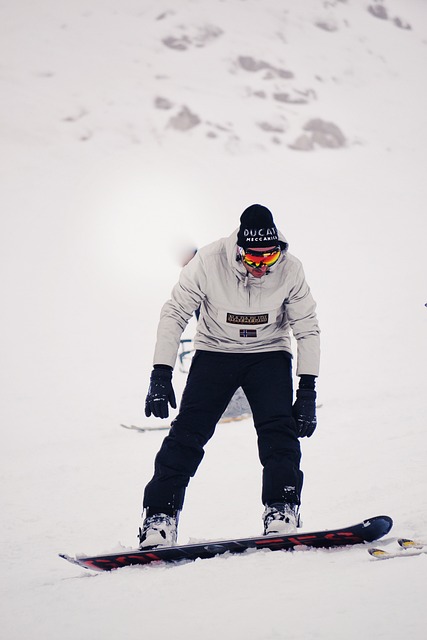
(129,128)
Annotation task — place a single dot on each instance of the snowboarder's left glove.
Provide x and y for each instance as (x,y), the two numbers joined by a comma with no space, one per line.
(160,392)
(304,412)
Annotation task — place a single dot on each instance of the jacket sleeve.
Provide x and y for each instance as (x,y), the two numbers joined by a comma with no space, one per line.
(186,297)
(301,314)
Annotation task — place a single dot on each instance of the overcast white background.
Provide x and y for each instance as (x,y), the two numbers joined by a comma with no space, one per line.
(128,129)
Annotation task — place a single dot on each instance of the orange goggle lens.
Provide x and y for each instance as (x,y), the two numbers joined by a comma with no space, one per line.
(267,258)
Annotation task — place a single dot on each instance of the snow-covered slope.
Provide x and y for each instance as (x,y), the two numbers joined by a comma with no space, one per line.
(129,128)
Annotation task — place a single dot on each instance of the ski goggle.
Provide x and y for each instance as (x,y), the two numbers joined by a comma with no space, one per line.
(260,258)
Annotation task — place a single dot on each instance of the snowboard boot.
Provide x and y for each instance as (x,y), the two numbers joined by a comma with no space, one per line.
(158,530)
(281,519)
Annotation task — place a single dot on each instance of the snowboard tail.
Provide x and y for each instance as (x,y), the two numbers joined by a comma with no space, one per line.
(366,531)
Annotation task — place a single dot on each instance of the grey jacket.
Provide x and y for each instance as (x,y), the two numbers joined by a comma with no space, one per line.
(240,313)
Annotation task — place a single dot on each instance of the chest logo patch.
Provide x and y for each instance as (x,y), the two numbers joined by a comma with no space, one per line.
(235,318)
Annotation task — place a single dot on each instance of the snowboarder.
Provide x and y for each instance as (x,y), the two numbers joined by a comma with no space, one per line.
(251,294)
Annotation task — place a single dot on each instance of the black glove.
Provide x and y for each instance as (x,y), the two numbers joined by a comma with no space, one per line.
(304,412)
(160,392)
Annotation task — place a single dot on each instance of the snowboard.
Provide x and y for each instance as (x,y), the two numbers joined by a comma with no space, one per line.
(142,429)
(366,531)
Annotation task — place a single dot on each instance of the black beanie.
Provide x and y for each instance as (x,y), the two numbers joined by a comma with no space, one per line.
(257,228)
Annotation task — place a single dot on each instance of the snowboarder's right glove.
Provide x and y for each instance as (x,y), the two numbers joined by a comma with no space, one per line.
(160,392)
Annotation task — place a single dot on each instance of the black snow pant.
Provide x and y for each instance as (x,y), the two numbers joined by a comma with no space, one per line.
(266,379)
